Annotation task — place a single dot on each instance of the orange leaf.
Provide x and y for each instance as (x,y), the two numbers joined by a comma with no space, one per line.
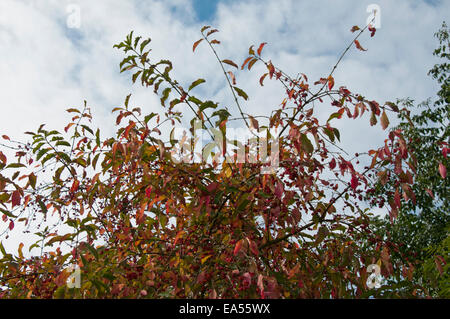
(438,263)
(358,46)
(233,78)
(129,127)
(2,158)
(245,62)
(261,47)
(6,137)
(384,120)
(271,69)
(196,44)
(229,62)
(330,82)
(254,122)
(75,185)
(251,63)
(238,247)
(261,80)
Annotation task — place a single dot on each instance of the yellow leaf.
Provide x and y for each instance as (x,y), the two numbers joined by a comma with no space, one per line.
(205,259)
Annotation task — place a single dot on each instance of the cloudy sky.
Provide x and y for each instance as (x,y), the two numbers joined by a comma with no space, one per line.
(51,60)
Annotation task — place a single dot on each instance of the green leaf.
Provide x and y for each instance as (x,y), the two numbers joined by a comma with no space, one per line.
(42,206)
(195,100)
(32,179)
(2,249)
(306,143)
(63,143)
(97,137)
(321,234)
(144,43)
(337,134)
(47,158)
(42,153)
(334,115)
(149,117)
(165,95)
(207,105)
(195,83)
(329,133)
(92,250)
(7,213)
(87,128)
(241,92)
(15,165)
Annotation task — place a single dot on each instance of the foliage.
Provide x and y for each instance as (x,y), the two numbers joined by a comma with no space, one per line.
(143,224)
(422,227)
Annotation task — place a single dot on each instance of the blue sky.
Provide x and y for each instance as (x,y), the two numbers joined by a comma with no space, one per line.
(47,66)
(205,9)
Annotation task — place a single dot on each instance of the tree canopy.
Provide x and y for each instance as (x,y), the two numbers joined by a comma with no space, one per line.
(280,215)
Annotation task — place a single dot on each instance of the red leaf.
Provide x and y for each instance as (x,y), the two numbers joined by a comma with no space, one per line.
(279,190)
(354,181)
(253,247)
(6,137)
(358,46)
(11,225)
(397,198)
(442,170)
(212,187)
(372,30)
(333,163)
(15,200)
(148,191)
(445,151)
(261,47)
(429,192)
(75,185)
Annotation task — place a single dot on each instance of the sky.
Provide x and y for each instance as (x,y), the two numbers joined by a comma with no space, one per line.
(57,53)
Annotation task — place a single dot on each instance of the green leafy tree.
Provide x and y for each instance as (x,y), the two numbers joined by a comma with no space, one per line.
(423,223)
